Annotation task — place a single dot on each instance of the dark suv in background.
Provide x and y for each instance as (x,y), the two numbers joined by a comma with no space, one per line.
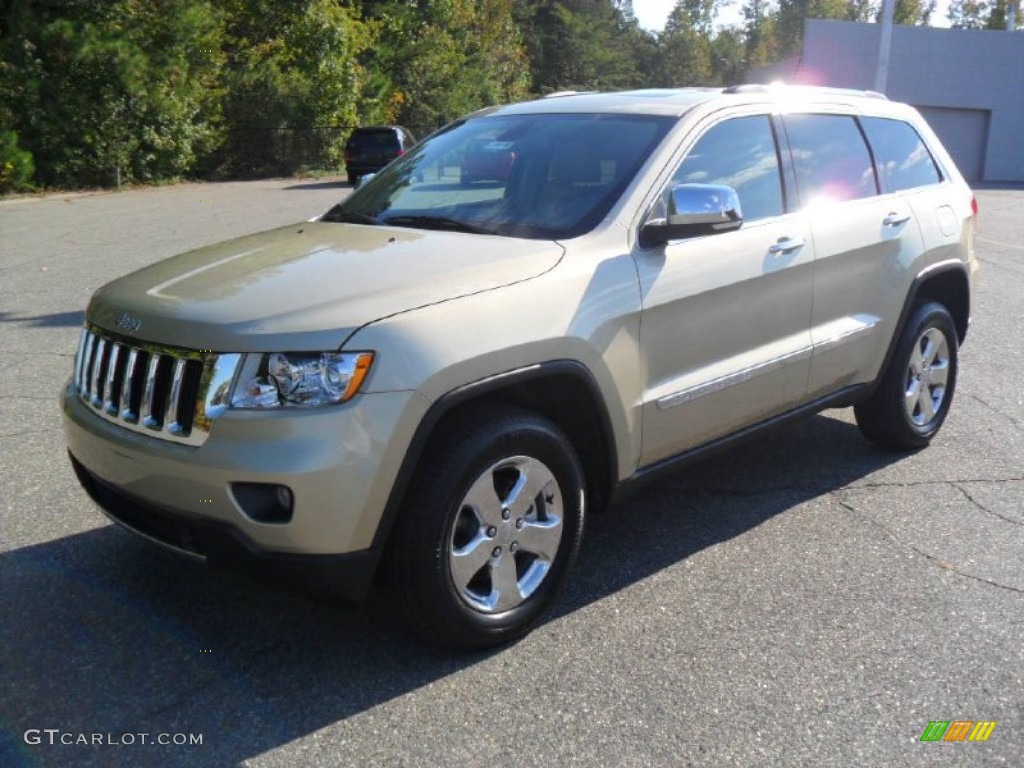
(370,149)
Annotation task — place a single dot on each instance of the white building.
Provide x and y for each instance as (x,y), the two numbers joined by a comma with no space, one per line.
(969,84)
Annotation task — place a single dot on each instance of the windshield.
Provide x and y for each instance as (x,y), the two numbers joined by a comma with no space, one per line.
(549,176)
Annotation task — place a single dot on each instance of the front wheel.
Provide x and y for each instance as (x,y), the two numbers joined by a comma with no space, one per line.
(490,529)
(916,390)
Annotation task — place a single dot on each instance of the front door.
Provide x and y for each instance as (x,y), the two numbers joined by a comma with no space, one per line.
(725,330)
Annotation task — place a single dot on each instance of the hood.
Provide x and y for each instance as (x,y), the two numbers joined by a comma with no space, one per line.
(308,286)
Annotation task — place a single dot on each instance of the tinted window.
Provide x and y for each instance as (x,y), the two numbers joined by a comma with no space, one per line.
(903,160)
(382,140)
(546,176)
(830,156)
(741,154)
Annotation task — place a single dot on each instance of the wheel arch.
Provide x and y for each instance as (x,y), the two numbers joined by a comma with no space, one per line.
(562,391)
(946,283)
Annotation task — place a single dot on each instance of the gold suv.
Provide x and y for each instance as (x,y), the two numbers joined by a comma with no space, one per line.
(447,373)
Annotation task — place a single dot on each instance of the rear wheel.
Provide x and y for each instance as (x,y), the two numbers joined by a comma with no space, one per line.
(353,178)
(914,395)
(490,529)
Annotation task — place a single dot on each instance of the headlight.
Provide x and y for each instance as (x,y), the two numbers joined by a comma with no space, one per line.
(303,379)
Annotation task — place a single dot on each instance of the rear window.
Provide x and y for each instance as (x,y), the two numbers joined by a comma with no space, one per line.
(903,160)
(832,161)
(374,140)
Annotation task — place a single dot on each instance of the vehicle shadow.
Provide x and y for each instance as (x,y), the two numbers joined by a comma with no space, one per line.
(105,633)
(717,499)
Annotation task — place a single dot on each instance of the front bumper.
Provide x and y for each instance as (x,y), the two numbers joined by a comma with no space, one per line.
(218,544)
(339,464)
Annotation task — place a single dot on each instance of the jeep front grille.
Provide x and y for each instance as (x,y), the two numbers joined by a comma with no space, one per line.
(166,392)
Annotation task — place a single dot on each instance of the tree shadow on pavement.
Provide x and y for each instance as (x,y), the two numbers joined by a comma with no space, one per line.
(333,184)
(54,320)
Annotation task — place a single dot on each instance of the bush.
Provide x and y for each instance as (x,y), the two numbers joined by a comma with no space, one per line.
(16,166)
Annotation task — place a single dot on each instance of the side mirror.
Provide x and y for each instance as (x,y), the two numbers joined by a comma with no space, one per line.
(692,210)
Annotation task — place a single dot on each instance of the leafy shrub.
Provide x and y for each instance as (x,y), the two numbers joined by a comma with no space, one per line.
(16,166)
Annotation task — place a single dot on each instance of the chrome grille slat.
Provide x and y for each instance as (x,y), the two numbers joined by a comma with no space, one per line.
(87,357)
(96,373)
(108,385)
(171,414)
(128,388)
(80,357)
(147,419)
(158,391)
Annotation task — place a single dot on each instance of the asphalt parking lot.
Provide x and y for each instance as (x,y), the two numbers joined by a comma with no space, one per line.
(804,600)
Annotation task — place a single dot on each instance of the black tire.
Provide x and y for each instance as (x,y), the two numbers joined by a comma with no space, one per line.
(353,178)
(442,538)
(915,392)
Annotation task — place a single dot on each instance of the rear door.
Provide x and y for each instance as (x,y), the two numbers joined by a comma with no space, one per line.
(908,171)
(863,242)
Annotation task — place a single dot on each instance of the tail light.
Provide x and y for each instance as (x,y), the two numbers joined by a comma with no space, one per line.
(974,206)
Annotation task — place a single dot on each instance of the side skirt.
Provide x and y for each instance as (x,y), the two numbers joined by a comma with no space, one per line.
(839,399)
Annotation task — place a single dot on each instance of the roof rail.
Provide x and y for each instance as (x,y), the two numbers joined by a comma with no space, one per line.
(776,87)
(559,94)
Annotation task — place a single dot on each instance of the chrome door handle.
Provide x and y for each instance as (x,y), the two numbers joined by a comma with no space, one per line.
(786,245)
(895,219)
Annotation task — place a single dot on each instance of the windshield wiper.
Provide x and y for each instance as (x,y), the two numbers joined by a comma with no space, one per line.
(436,222)
(347,217)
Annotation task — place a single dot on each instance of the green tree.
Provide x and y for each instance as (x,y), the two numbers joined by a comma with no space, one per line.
(16,165)
(288,66)
(912,12)
(699,15)
(790,19)
(684,47)
(998,11)
(969,14)
(434,61)
(102,91)
(583,44)
(863,10)
(760,28)
(728,56)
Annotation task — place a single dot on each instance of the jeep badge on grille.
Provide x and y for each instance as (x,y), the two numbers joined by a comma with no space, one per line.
(128,323)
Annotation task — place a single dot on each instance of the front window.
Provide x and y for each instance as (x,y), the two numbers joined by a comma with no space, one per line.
(739,153)
(549,176)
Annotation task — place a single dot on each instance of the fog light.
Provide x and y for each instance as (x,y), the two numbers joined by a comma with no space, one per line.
(284,498)
(264,502)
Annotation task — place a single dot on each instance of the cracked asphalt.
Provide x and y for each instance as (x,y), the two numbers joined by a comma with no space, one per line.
(804,600)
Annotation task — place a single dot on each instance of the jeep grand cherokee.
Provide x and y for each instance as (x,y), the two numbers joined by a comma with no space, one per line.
(448,377)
